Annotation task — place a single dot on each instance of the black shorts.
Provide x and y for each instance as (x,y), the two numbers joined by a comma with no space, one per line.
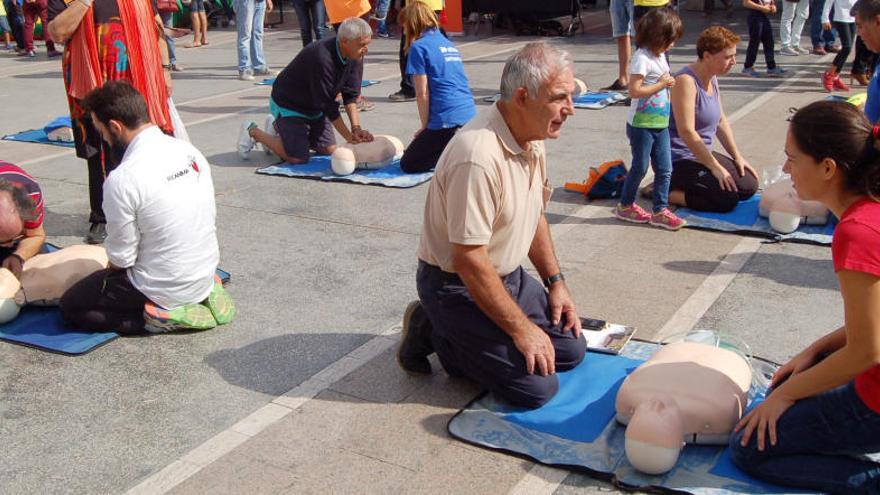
(299,135)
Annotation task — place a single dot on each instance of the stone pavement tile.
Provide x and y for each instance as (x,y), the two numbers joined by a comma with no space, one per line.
(237,473)
(381,380)
(456,469)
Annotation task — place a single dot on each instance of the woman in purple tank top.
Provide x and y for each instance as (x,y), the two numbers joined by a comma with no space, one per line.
(701,178)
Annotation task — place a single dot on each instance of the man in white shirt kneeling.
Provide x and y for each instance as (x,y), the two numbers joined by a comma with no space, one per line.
(161,236)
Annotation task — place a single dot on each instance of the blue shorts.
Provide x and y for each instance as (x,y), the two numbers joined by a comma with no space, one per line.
(621,17)
(197,6)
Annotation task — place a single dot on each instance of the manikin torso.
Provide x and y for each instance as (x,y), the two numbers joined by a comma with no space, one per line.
(379,152)
(786,211)
(686,392)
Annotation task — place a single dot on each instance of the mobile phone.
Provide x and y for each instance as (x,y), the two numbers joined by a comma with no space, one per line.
(593,324)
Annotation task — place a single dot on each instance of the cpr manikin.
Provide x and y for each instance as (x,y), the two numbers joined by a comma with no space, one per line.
(46,277)
(781,205)
(687,392)
(379,152)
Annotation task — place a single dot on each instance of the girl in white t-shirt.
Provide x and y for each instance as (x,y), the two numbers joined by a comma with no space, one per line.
(647,126)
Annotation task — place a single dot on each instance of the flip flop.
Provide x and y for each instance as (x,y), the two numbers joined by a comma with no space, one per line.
(192,45)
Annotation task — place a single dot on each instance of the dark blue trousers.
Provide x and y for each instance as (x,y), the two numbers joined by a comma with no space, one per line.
(469,344)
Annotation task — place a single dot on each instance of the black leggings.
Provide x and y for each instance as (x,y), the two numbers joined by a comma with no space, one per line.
(423,152)
(105,301)
(847,33)
(760,33)
(701,189)
(865,60)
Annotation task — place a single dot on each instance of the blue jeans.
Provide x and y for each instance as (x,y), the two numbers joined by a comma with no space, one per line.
(381,14)
(310,14)
(818,439)
(249,16)
(168,21)
(818,36)
(648,145)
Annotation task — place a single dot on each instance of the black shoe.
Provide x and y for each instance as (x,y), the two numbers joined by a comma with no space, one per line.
(97,233)
(415,341)
(401,96)
(615,86)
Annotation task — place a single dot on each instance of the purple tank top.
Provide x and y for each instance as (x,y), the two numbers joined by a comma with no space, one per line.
(707,112)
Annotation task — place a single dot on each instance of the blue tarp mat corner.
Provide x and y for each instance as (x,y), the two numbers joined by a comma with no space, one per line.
(318,167)
(43,328)
(35,136)
(576,430)
(745,219)
(271,80)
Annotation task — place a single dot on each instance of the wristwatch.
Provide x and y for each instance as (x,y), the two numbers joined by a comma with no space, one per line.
(552,279)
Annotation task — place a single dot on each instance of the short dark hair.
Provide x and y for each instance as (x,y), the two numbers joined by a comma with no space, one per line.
(841,132)
(119,101)
(23,202)
(658,29)
(865,9)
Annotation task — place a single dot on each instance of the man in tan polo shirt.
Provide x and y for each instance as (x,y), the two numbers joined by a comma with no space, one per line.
(483,315)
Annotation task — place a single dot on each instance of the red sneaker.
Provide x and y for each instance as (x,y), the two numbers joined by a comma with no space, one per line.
(828,81)
(839,84)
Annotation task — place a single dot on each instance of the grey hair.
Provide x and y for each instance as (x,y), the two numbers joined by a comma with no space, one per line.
(865,9)
(532,66)
(354,28)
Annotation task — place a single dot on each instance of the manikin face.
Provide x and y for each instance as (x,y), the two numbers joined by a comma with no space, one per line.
(722,62)
(355,49)
(809,178)
(869,31)
(552,106)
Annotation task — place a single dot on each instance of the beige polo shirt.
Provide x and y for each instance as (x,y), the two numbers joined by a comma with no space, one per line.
(486,191)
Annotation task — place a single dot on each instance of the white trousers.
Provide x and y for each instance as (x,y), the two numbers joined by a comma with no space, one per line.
(794,15)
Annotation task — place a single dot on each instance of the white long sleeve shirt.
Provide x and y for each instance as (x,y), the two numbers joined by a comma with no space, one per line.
(159,204)
(841,11)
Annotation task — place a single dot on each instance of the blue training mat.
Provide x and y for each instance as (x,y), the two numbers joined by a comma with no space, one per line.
(42,327)
(577,430)
(271,80)
(318,167)
(745,219)
(597,100)
(36,136)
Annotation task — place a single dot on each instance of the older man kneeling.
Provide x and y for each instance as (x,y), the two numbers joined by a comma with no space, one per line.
(483,315)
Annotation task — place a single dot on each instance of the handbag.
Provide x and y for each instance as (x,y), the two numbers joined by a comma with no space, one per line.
(167,6)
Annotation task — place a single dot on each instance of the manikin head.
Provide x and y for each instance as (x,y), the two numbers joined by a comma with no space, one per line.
(536,89)
(9,287)
(354,38)
(654,435)
(119,113)
(716,50)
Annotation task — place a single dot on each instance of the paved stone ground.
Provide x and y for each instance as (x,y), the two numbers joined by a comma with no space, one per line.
(301,394)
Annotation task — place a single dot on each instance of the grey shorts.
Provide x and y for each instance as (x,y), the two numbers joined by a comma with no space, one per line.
(299,135)
(621,18)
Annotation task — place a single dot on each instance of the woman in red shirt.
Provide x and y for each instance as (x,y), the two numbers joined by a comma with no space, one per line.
(823,415)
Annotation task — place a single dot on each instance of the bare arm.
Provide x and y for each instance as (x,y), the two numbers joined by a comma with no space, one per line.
(753,5)
(30,245)
(476,270)
(725,136)
(639,90)
(420,82)
(63,26)
(543,257)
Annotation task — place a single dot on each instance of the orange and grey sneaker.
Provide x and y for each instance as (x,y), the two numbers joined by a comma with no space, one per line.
(189,317)
(219,302)
(667,220)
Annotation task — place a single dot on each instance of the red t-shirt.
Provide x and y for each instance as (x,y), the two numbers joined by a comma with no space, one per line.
(856,247)
(20,178)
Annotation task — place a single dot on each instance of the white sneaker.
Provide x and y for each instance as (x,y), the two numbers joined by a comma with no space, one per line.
(246,75)
(245,142)
(802,51)
(269,128)
(789,51)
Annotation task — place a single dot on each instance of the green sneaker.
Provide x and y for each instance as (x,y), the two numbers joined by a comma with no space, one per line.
(220,303)
(189,317)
